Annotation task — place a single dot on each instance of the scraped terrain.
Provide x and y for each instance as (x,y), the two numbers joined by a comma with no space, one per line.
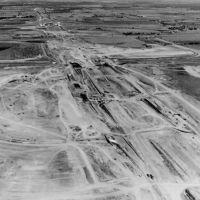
(86,115)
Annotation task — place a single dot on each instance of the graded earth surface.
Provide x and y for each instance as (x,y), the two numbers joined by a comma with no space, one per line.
(99,100)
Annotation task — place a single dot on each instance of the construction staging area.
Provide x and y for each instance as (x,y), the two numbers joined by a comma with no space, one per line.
(99,101)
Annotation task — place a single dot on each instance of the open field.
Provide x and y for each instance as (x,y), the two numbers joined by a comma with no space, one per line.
(99,100)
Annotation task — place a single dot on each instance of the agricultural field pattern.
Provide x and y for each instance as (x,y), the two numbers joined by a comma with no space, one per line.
(99,100)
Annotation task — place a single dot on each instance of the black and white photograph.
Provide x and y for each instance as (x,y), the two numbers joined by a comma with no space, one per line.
(99,99)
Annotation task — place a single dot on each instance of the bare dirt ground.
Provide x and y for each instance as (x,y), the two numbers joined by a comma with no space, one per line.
(95,121)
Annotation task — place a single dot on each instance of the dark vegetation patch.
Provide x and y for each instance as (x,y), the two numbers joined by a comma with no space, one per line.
(19,51)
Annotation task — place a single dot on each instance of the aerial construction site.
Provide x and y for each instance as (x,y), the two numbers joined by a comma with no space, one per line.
(99,100)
